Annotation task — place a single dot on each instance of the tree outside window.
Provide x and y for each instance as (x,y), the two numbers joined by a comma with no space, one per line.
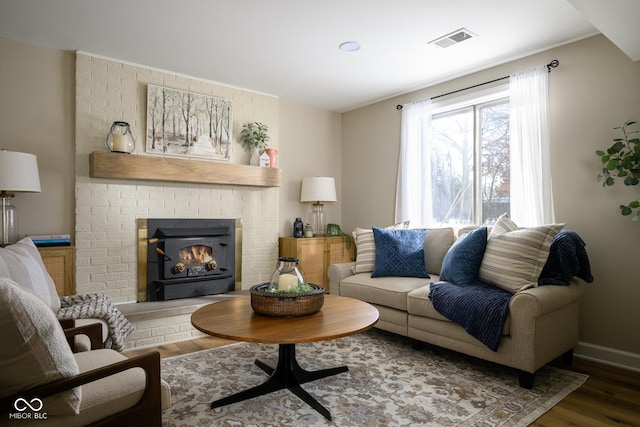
(470,163)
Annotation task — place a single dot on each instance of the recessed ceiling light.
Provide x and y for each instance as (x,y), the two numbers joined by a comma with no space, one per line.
(350,46)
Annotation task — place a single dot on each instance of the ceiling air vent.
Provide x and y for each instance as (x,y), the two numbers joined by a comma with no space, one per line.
(453,38)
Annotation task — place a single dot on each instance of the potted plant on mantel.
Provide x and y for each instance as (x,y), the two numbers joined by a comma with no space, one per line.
(254,138)
(622,160)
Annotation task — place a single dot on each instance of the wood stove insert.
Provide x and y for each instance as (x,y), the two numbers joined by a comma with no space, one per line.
(186,257)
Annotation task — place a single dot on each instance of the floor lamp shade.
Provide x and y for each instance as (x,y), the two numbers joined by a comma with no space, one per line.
(18,173)
(318,189)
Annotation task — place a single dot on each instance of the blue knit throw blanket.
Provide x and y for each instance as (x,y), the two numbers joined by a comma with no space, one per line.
(482,309)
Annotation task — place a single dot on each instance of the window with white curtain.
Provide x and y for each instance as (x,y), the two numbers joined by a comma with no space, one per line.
(471,158)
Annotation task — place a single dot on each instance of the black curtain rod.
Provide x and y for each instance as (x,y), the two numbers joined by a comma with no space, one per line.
(550,65)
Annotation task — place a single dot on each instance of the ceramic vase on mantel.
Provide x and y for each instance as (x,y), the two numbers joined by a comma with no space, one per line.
(254,160)
(273,156)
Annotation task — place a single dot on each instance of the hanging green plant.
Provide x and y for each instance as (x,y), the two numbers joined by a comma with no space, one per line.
(622,160)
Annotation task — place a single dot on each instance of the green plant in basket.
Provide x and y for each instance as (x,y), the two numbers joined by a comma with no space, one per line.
(301,287)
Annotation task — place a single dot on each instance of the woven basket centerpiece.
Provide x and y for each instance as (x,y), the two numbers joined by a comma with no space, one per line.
(286,304)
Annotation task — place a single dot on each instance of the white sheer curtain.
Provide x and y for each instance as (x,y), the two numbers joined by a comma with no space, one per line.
(531,193)
(414,167)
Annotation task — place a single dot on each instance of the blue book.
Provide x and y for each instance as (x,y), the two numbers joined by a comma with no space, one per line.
(52,242)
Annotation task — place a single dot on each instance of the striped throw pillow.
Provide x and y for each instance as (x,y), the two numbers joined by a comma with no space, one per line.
(514,258)
(503,225)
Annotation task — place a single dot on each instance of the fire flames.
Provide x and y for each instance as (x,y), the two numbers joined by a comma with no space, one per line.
(196,255)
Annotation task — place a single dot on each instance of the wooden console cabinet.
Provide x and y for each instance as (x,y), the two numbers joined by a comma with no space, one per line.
(60,263)
(315,254)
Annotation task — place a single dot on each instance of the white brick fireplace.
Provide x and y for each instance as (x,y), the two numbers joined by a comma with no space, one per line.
(107,209)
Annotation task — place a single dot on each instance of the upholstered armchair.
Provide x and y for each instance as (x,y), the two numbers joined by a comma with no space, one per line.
(41,378)
(22,263)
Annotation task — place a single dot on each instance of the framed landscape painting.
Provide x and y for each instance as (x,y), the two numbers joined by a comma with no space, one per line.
(187,124)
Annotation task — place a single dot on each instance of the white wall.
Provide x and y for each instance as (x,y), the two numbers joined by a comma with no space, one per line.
(36,116)
(310,146)
(594,89)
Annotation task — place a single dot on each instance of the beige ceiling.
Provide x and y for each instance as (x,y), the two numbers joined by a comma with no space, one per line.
(289,48)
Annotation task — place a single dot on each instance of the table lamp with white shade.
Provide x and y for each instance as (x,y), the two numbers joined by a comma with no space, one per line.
(318,189)
(18,173)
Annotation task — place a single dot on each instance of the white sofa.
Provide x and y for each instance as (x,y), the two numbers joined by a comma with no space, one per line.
(542,321)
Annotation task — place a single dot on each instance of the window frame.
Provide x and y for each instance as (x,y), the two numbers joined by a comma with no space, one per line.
(476,100)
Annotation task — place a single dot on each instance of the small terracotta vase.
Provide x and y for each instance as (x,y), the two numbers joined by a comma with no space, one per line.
(273,156)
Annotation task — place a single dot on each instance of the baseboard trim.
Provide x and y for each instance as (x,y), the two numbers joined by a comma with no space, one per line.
(608,356)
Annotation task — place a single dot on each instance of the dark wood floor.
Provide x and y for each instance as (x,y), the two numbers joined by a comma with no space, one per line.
(610,397)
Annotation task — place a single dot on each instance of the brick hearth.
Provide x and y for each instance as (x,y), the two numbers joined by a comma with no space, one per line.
(162,322)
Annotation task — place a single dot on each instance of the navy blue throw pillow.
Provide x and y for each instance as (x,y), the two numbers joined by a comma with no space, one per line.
(399,253)
(462,262)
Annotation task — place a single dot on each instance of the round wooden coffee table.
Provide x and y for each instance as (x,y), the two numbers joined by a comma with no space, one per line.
(235,320)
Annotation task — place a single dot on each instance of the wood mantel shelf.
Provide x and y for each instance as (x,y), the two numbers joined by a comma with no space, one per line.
(105,164)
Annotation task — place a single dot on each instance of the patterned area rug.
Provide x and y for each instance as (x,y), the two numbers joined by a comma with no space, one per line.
(388,384)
